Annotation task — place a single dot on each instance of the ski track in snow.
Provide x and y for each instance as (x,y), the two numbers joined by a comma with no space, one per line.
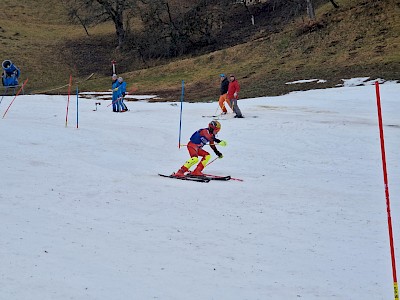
(84,214)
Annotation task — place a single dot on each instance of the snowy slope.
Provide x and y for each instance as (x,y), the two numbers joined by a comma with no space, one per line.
(83,214)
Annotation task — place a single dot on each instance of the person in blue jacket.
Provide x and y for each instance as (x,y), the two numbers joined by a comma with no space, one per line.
(121,94)
(114,86)
(10,74)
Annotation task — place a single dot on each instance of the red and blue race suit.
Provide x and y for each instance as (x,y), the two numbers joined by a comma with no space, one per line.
(200,138)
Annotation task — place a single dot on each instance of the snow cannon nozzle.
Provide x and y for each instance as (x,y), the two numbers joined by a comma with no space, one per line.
(6,64)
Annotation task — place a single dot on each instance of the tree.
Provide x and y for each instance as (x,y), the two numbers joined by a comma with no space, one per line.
(93,12)
(171,28)
(311,10)
(73,10)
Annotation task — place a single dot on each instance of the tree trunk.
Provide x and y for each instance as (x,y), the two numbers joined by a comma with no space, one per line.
(119,28)
(310,10)
(117,16)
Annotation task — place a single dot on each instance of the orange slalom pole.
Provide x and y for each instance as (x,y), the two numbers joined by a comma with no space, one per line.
(385,179)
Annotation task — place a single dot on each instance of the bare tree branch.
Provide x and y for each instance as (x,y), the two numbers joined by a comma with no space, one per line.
(335,5)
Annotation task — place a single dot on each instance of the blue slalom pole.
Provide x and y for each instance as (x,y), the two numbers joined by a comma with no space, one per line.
(180,117)
(77,106)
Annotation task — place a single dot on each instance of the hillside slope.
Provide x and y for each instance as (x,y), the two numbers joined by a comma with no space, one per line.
(358,39)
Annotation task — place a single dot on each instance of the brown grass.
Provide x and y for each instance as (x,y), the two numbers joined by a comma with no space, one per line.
(359,39)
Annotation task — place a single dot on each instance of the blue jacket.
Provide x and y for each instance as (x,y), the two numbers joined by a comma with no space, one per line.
(121,89)
(115,85)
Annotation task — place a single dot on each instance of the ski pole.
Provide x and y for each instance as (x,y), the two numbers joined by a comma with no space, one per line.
(114,101)
(211,162)
(183,145)
(216,111)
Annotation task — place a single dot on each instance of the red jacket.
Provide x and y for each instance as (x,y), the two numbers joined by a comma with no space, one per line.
(233,87)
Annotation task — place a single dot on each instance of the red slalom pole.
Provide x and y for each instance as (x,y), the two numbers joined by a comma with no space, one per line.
(385,179)
(180,114)
(15,97)
(69,93)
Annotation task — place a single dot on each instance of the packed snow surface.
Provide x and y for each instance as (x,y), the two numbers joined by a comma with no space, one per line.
(84,215)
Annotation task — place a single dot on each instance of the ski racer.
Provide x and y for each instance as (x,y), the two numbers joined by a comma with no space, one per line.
(200,138)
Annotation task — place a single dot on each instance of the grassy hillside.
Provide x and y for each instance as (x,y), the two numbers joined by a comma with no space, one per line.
(361,38)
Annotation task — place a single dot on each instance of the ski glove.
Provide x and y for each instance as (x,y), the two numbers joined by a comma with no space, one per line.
(223,143)
(219,154)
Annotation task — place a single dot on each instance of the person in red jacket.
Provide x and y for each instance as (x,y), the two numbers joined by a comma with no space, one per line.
(203,136)
(233,95)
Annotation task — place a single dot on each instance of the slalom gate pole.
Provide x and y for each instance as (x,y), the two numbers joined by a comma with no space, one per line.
(15,97)
(113,66)
(69,93)
(5,93)
(180,117)
(77,108)
(385,179)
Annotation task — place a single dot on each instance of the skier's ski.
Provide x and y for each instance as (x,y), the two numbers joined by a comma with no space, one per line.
(189,178)
(215,116)
(211,177)
(216,177)
(227,117)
